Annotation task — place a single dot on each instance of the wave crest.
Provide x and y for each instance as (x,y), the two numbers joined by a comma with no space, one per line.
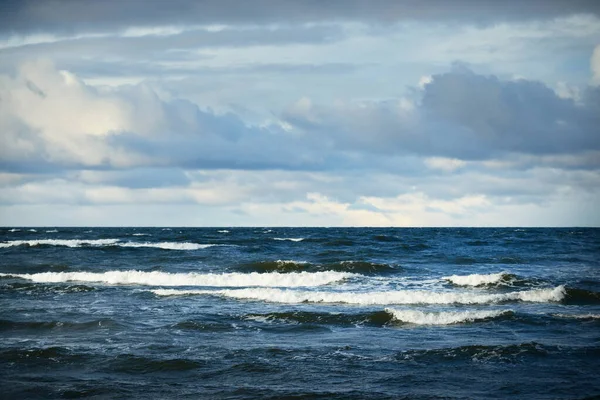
(481,279)
(375,298)
(157,278)
(446,317)
(105,242)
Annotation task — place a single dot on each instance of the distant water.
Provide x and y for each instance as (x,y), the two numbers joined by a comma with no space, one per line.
(299,313)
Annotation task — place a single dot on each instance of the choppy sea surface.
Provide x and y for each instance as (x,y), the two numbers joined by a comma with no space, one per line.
(299,313)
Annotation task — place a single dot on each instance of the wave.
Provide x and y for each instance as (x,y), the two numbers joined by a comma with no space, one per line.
(36,288)
(342,266)
(52,231)
(478,353)
(14,230)
(481,279)
(132,364)
(578,316)
(446,317)
(104,243)
(290,239)
(50,355)
(375,318)
(6,325)
(168,245)
(223,231)
(375,298)
(582,296)
(277,266)
(141,234)
(157,278)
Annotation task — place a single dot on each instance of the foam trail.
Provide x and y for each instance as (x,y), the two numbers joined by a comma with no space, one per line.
(477,279)
(578,316)
(444,318)
(61,242)
(290,239)
(157,278)
(375,298)
(167,245)
(106,242)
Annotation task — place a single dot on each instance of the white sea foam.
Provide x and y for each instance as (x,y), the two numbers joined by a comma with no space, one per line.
(284,262)
(14,230)
(167,245)
(106,242)
(32,230)
(52,231)
(477,279)
(158,278)
(141,234)
(61,242)
(290,239)
(578,316)
(372,298)
(445,317)
(223,231)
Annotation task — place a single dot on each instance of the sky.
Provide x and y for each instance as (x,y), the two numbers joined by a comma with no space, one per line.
(300,113)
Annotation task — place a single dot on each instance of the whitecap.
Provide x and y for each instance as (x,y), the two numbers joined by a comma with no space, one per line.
(376,298)
(290,239)
(107,242)
(444,317)
(158,278)
(477,279)
(578,316)
(167,245)
(61,242)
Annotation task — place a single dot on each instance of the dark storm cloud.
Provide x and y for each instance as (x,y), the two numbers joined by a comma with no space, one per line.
(23,16)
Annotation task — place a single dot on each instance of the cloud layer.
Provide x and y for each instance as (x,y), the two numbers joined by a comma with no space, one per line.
(289,113)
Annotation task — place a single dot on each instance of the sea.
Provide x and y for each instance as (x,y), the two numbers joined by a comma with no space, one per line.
(299,313)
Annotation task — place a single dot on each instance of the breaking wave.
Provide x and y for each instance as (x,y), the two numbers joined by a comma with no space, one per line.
(446,317)
(481,279)
(157,278)
(586,317)
(105,242)
(290,239)
(374,298)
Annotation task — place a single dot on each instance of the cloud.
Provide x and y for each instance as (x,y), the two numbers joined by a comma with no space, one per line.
(69,15)
(460,115)
(51,118)
(595,66)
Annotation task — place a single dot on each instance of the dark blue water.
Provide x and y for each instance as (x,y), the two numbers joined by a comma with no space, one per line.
(299,313)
